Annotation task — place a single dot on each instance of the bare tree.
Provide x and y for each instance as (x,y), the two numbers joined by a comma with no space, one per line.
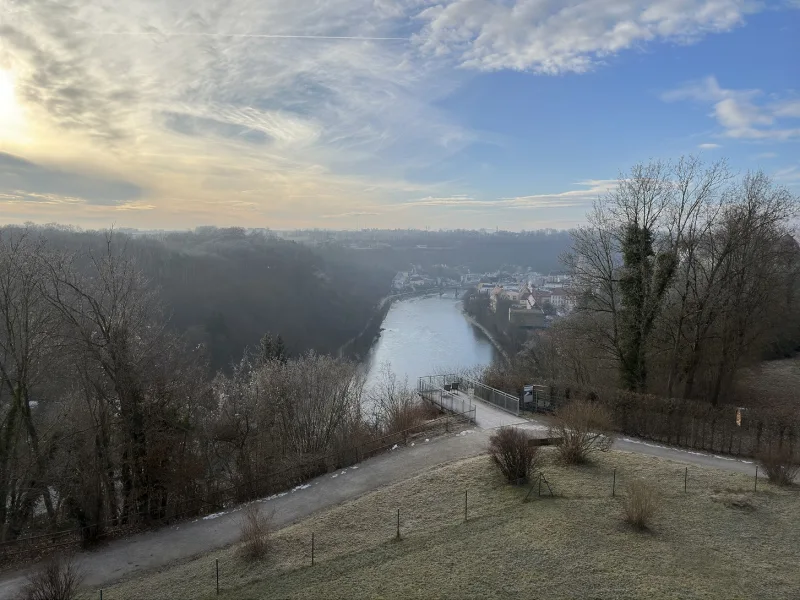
(27,355)
(626,261)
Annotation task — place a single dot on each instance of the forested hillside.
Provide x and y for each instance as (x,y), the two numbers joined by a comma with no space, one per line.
(225,288)
(478,251)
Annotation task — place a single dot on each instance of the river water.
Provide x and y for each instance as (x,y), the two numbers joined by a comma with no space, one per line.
(425,336)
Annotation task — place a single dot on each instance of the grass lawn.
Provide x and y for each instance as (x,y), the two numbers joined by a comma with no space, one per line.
(719,540)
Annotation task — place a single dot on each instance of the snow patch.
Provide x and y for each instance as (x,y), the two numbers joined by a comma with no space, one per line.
(213,516)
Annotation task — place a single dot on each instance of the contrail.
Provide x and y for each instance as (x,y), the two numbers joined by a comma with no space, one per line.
(251,35)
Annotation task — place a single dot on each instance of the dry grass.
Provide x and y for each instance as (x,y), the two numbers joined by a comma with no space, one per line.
(571,546)
(255,526)
(640,504)
(772,384)
(511,452)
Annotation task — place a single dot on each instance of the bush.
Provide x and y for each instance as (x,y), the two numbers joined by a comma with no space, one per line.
(58,579)
(255,533)
(640,504)
(780,466)
(584,427)
(511,451)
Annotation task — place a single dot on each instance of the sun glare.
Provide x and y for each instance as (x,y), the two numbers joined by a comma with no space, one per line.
(10,110)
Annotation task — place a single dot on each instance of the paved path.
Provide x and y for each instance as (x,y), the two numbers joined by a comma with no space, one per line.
(487,416)
(152,550)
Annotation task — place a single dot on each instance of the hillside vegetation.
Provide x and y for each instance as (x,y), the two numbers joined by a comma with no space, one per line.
(225,288)
(718,540)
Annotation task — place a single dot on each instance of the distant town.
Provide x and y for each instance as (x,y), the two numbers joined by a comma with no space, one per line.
(531,300)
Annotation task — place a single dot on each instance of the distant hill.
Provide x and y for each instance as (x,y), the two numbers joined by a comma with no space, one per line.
(227,287)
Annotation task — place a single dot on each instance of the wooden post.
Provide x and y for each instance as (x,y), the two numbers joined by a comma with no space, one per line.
(312,548)
(755,483)
(614,484)
(217,577)
(398,523)
(685,479)
(465,505)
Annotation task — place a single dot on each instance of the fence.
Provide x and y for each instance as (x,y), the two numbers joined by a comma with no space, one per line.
(446,508)
(442,391)
(429,384)
(266,484)
(687,423)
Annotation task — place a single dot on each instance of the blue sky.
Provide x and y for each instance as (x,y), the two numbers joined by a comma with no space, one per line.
(337,113)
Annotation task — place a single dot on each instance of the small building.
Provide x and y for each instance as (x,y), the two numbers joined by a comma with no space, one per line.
(524,318)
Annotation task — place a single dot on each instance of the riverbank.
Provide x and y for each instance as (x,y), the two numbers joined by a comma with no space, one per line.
(488,335)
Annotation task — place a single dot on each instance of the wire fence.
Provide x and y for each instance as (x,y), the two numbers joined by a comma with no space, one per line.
(452,386)
(395,518)
(692,424)
(265,484)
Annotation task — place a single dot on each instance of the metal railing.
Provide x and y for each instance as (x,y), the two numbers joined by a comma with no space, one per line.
(453,387)
(444,392)
(501,400)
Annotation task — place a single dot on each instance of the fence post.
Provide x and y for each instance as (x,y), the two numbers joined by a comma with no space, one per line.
(398,523)
(101,594)
(312,548)
(217,562)
(755,483)
(465,505)
(685,479)
(614,483)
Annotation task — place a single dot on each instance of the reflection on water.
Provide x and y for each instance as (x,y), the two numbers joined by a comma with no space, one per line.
(422,336)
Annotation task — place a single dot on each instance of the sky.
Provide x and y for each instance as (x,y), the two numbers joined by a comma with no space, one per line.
(344,114)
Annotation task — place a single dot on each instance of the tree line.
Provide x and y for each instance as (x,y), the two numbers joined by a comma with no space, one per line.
(110,417)
(684,275)
(225,287)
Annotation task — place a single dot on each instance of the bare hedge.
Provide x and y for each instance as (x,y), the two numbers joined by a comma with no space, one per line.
(584,427)
(510,449)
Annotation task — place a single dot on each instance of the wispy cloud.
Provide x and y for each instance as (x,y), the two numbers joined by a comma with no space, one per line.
(273,112)
(569,36)
(709,146)
(578,197)
(742,114)
(765,155)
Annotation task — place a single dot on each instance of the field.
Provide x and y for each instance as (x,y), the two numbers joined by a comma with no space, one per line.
(720,539)
(773,383)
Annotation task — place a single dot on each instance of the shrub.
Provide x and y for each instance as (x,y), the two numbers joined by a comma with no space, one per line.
(255,533)
(640,504)
(584,427)
(780,466)
(511,451)
(58,579)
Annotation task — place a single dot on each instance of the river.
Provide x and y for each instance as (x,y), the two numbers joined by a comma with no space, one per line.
(428,335)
